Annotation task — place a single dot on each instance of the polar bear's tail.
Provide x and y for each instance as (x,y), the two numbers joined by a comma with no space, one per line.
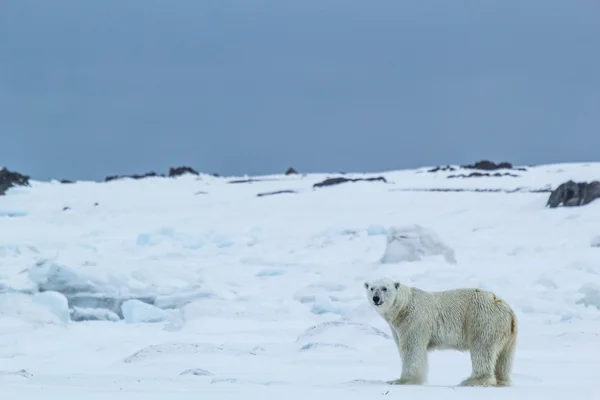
(507,354)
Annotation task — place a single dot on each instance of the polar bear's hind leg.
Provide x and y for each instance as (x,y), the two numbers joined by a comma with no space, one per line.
(504,363)
(483,359)
(490,329)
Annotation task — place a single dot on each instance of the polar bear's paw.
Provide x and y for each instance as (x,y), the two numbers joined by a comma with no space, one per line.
(406,381)
(479,381)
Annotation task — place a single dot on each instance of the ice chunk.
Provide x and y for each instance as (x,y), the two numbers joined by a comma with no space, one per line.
(55,277)
(55,303)
(22,307)
(412,242)
(323,305)
(591,295)
(136,311)
(93,314)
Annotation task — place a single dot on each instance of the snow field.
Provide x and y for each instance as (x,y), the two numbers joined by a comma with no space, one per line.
(263,296)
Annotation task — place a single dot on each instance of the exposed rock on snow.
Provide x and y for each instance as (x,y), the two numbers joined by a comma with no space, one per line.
(412,242)
(571,194)
(484,165)
(483,174)
(136,311)
(151,174)
(491,166)
(276,192)
(338,180)
(173,172)
(441,168)
(178,171)
(10,179)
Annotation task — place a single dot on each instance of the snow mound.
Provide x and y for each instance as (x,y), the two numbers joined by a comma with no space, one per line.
(326,346)
(411,243)
(339,337)
(196,372)
(595,242)
(339,332)
(136,311)
(181,349)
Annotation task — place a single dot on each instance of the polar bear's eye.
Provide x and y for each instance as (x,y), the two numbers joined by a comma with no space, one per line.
(384,289)
(372,289)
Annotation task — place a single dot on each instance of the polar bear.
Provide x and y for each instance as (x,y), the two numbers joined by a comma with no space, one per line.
(461,319)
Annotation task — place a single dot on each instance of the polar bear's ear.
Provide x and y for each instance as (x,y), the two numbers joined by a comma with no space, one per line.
(366,285)
(396,285)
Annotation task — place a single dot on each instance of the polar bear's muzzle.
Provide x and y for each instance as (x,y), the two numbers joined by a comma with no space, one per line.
(377,300)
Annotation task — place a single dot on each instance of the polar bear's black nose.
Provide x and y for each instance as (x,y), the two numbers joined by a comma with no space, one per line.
(376,299)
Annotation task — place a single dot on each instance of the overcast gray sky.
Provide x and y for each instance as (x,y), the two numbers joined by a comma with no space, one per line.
(89,89)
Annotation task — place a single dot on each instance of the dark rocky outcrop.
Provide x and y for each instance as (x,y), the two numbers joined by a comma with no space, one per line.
(339,180)
(489,190)
(178,171)
(291,171)
(440,168)
(249,180)
(151,174)
(487,165)
(252,180)
(173,172)
(10,179)
(572,194)
(482,174)
(277,192)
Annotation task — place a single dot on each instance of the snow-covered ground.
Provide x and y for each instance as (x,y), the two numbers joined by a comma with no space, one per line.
(260,296)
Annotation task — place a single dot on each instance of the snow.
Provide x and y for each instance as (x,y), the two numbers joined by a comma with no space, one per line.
(229,294)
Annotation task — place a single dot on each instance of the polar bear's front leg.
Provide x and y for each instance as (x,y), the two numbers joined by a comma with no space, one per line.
(397,340)
(414,362)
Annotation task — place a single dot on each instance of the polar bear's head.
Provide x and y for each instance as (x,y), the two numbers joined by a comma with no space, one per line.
(382,293)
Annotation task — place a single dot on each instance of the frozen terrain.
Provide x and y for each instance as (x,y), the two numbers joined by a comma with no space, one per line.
(197,287)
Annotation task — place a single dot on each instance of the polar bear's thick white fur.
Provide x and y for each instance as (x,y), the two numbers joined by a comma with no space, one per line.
(461,319)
